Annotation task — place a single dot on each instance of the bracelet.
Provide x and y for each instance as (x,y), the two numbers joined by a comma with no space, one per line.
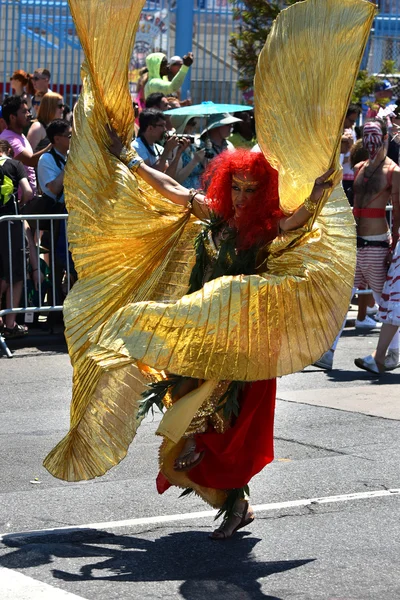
(134,163)
(192,195)
(127,154)
(309,205)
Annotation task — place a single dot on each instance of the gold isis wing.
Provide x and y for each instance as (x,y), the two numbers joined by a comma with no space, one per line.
(128,318)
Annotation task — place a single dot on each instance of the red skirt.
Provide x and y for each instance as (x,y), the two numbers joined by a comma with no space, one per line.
(232,458)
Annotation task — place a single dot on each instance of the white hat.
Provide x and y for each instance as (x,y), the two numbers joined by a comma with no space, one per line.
(220,120)
(175,59)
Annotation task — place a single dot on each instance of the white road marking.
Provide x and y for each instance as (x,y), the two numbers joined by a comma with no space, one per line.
(16,586)
(203,514)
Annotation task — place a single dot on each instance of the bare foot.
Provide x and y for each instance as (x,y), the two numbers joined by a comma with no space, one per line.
(189,457)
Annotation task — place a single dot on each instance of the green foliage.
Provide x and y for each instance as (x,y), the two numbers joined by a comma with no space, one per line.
(156,394)
(365,83)
(254,22)
(364,86)
(388,67)
(229,401)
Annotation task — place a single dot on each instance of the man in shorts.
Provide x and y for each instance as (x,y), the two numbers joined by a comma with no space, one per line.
(377,182)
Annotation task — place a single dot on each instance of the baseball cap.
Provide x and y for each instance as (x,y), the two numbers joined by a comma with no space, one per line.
(383,85)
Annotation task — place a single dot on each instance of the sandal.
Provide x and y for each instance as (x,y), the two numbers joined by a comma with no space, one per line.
(17,331)
(183,462)
(246,517)
(368,363)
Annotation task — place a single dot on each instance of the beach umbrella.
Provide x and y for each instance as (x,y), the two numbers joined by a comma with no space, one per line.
(205,109)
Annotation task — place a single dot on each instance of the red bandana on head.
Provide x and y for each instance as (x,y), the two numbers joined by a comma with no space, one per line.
(372,138)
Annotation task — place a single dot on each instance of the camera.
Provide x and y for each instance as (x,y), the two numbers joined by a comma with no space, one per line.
(183,136)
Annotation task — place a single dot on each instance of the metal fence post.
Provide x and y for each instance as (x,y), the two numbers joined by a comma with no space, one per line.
(184,35)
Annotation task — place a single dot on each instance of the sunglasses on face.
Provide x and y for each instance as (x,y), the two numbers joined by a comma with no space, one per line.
(37,78)
(60,105)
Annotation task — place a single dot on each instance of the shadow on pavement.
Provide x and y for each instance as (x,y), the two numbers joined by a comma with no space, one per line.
(223,570)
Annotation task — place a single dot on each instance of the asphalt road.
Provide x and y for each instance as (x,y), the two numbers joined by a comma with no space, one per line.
(115,538)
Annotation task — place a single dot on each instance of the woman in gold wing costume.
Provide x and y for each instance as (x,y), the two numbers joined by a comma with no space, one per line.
(230,437)
(129,319)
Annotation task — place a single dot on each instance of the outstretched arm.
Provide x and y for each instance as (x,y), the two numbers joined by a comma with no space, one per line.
(163,184)
(304,212)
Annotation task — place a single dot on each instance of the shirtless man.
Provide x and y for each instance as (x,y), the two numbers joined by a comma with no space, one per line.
(377,180)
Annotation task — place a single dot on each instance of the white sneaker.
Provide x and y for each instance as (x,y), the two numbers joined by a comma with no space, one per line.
(392,360)
(326,361)
(372,310)
(368,323)
(368,364)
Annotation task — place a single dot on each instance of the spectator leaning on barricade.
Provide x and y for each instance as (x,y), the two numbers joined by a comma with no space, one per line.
(152,130)
(41,81)
(13,176)
(51,107)
(157,65)
(17,116)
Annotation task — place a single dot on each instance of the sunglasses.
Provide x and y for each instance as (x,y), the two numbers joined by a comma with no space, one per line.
(60,105)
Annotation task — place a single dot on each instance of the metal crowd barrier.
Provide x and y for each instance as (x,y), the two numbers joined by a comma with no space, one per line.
(48,303)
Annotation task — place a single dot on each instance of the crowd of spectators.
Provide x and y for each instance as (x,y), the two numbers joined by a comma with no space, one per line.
(35,127)
(34,142)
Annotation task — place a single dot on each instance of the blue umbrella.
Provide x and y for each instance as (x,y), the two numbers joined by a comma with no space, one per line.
(205,109)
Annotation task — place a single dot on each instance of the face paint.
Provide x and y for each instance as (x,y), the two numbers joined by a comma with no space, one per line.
(372,139)
(243,189)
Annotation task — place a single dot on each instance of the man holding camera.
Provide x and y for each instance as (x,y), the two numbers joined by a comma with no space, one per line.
(152,131)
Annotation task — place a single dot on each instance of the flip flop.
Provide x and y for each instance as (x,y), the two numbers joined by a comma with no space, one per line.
(369,364)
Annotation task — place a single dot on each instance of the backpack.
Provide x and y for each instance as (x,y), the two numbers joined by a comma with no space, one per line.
(6,184)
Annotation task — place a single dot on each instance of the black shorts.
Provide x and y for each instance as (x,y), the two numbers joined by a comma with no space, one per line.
(17,254)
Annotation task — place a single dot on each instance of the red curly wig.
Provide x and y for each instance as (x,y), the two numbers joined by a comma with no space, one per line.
(259,219)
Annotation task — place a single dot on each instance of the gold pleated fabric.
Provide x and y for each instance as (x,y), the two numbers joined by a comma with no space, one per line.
(303,86)
(133,250)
